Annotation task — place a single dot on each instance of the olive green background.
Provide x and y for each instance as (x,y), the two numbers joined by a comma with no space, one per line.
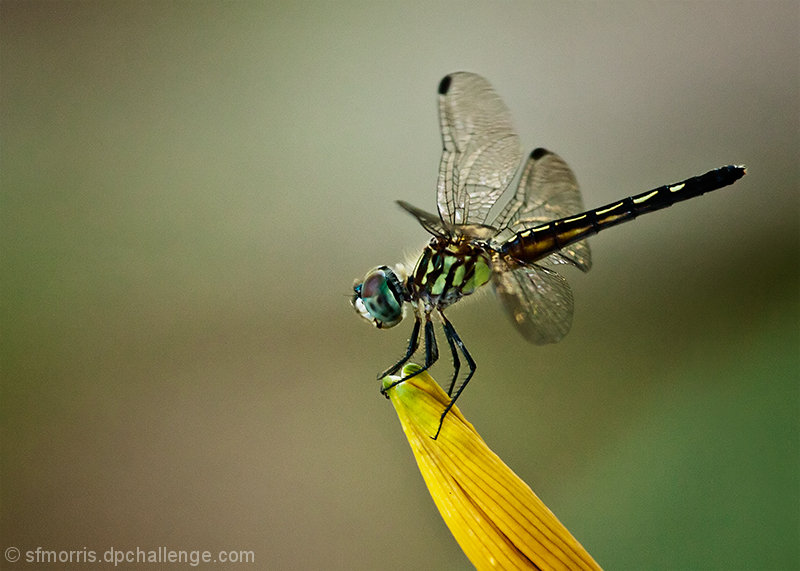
(189,190)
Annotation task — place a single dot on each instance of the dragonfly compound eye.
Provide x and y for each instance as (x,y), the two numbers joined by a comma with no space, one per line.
(378,298)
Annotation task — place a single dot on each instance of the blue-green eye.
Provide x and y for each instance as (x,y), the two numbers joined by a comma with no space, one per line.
(379,298)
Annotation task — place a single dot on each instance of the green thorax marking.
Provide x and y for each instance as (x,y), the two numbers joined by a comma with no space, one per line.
(448,270)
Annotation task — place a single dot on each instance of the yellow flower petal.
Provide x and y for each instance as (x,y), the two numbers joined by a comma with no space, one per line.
(494,516)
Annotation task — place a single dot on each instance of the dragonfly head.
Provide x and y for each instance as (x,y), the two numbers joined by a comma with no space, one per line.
(379,298)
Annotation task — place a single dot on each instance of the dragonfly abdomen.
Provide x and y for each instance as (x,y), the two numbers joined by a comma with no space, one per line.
(536,243)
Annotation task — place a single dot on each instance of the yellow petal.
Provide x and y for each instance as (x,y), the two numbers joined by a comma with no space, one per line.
(494,516)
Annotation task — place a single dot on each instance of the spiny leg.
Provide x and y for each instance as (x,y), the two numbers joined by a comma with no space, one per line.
(455,340)
(431,348)
(413,344)
(454,352)
(431,354)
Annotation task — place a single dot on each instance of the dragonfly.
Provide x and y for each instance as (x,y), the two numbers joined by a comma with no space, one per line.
(543,226)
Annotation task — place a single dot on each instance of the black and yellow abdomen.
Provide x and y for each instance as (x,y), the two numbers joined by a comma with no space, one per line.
(535,243)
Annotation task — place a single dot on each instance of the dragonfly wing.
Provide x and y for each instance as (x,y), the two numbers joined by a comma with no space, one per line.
(430,222)
(577,254)
(547,191)
(481,151)
(538,301)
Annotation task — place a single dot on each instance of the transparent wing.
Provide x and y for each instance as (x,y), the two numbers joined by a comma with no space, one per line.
(537,299)
(430,222)
(481,151)
(547,191)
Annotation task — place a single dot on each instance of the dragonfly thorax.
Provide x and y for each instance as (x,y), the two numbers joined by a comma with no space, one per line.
(449,269)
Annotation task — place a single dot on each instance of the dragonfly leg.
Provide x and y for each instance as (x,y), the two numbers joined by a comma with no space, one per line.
(455,340)
(413,344)
(456,360)
(431,353)
(431,349)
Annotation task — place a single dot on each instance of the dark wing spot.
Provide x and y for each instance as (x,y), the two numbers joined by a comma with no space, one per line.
(444,85)
(537,154)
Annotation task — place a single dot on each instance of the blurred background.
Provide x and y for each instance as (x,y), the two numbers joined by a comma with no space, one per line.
(189,190)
